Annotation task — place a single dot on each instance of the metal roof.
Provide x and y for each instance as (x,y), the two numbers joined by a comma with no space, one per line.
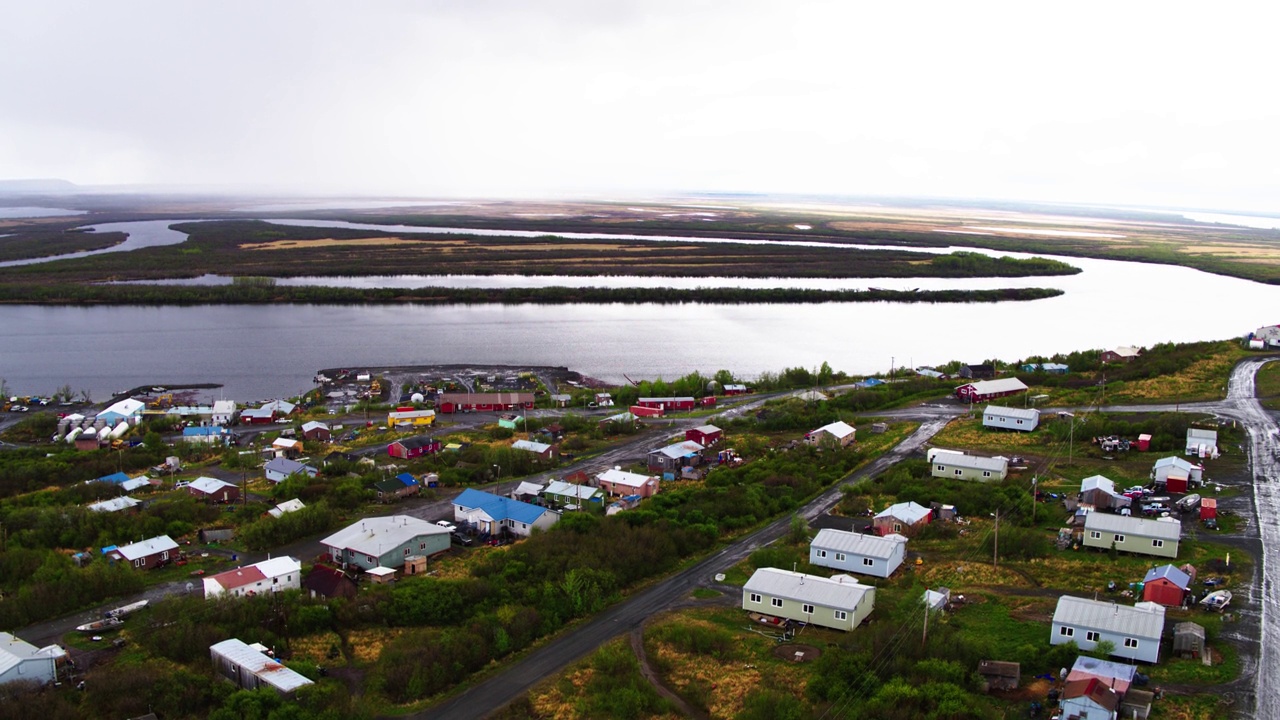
(150,546)
(14,651)
(707,429)
(531,446)
(908,512)
(313,425)
(125,408)
(1019,413)
(861,544)
(264,668)
(581,492)
(682,449)
(375,535)
(813,589)
(287,506)
(1098,482)
(209,486)
(114,504)
(1170,573)
(1108,669)
(498,507)
(1202,434)
(991,387)
(1125,525)
(1176,462)
(1110,617)
(622,477)
(285,465)
(972,462)
(838,429)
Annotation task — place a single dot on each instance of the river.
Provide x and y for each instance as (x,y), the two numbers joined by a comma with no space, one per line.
(262,351)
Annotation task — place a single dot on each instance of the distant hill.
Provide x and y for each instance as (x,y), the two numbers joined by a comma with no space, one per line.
(44,186)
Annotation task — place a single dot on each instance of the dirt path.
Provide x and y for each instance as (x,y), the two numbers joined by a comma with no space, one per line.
(650,674)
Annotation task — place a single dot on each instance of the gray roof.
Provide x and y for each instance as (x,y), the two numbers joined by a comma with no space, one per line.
(1202,434)
(814,589)
(285,466)
(972,462)
(1159,529)
(376,535)
(1170,573)
(872,546)
(909,512)
(558,487)
(684,448)
(1176,462)
(1098,482)
(1110,617)
(114,505)
(1023,413)
(991,387)
(147,547)
(531,446)
(14,651)
(267,669)
(1189,628)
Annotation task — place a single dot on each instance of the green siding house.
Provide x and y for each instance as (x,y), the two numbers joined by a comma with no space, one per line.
(838,602)
(385,541)
(1131,534)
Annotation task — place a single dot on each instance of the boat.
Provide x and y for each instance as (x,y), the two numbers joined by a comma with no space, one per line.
(1216,600)
(126,609)
(111,623)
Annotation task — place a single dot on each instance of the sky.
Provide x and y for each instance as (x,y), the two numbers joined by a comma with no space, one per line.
(1139,103)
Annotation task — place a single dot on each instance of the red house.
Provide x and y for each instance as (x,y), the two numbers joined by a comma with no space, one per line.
(736,390)
(989,390)
(705,435)
(483,402)
(642,411)
(673,404)
(413,447)
(213,490)
(1166,585)
(1208,508)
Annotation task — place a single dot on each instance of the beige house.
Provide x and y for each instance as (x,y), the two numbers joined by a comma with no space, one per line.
(839,602)
(1130,534)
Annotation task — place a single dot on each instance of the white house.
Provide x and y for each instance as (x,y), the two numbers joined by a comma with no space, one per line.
(1202,443)
(20,660)
(492,514)
(249,668)
(287,506)
(123,502)
(839,602)
(1025,419)
(1177,468)
(959,466)
(280,468)
(1089,700)
(837,433)
(127,410)
(385,541)
(274,575)
(858,552)
(1134,631)
(223,412)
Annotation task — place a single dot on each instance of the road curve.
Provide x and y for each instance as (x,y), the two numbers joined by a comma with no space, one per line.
(500,689)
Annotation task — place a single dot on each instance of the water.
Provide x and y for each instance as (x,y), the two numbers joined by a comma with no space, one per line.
(142,234)
(10,213)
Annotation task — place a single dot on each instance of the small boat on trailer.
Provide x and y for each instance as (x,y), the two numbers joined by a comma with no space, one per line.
(1217,600)
(124,610)
(105,624)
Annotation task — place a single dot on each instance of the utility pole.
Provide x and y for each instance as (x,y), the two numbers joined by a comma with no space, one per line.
(995,543)
(924,638)
(1033,501)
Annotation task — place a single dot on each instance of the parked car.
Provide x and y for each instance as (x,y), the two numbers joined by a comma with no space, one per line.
(460,539)
(447,525)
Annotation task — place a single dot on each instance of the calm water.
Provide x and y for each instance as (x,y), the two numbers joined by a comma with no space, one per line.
(10,213)
(264,351)
(142,234)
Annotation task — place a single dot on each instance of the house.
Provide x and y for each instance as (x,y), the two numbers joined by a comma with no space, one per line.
(604,399)
(385,541)
(736,389)
(406,418)
(249,669)
(493,514)
(704,435)
(1202,443)
(999,675)
(268,576)
(1099,493)
(527,492)
(206,435)
(674,457)
(642,411)
(1176,474)
(1005,418)
(316,431)
(621,482)
(977,372)
(393,490)
(286,447)
(483,402)
(570,496)
(987,390)
(213,490)
(147,554)
(1116,675)
(1130,534)
(857,552)
(257,416)
(123,502)
(1047,368)
(511,421)
(839,602)
(1133,631)
(287,506)
(324,581)
(668,404)
(959,466)
(1089,700)
(1269,335)
(127,410)
(902,519)
(223,412)
(20,661)
(280,468)
(279,408)
(409,448)
(1166,585)
(836,434)
(1188,639)
(1124,353)
(542,450)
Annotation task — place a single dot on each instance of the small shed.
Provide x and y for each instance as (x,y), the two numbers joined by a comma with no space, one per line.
(1000,675)
(1144,442)
(381,574)
(1166,585)
(1188,639)
(415,565)
(1208,508)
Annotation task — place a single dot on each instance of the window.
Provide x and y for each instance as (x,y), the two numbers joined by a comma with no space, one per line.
(842,615)
(1095,535)
(755,598)
(959,472)
(1131,642)
(422,546)
(1157,543)
(777,602)
(897,527)
(524,526)
(942,468)
(369,558)
(807,609)
(1067,631)
(137,563)
(840,557)
(1118,538)
(1019,422)
(986,473)
(406,552)
(1092,636)
(868,562)
(822,553)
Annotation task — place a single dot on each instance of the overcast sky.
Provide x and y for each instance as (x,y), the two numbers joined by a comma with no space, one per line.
(1137,103)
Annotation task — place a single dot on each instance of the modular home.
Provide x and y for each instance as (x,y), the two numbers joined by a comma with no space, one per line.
(839,433)
(1005,418)
(385,541)
(149,553)
(1133,631)
(858,552)
(959,466)
(621,482)
(249,668)
(22,661)
(1176,474)
(839,602)
(672,458)
(986,390)
(268,576)
(213,490)
(569,495)
(280,468)
(490,513)
(411,417)
(542,450)
(1202,443)
(413,447)
(1130,534)
(902,519)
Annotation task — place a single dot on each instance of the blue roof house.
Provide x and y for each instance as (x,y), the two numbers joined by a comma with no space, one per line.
(407,479)
(491,513)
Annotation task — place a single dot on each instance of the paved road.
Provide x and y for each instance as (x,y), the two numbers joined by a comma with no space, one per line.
(496,692)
